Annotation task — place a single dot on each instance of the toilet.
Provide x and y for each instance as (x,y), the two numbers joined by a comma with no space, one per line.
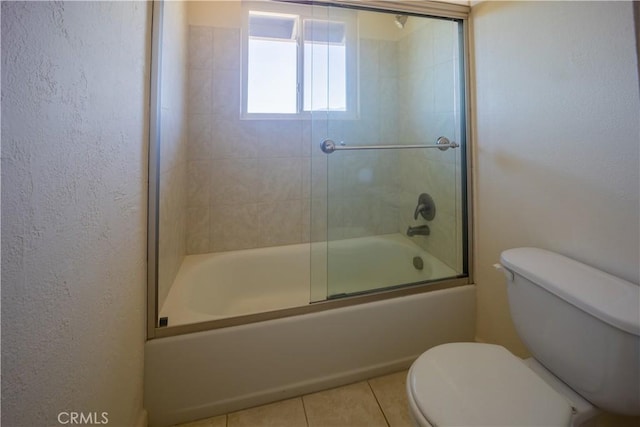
(582,327)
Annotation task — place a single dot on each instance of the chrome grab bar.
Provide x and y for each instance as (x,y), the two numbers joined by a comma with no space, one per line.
(442,143)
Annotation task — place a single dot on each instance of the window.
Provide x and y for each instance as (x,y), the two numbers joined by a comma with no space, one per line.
(272,63)
(325,66)
(298,63)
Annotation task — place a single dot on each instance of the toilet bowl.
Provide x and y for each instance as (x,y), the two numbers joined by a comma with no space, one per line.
(582,327)
(473,384)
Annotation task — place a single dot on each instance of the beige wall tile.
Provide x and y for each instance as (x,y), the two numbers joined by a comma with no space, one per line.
(305,177)
(279,179)
(198,229)
(233,227)
(199,177)
(173,138)
(280,223)
(200,47)
(226,92)
(444,74)
(200,143)
(427,112)
(226,48)
(200,91)
(233,138)
(234,181)
(314,219)
(262,161)
(173,149)
(279,138)
(172,227)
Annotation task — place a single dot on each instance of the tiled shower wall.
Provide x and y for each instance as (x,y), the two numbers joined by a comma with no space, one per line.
(257,183)
(173,147)
(245,181)
(363,185)
(430,108)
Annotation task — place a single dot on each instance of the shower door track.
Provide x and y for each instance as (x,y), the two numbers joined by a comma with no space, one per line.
(313,307)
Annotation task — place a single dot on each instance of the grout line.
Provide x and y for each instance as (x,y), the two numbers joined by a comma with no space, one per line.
(378,402)
(304,408)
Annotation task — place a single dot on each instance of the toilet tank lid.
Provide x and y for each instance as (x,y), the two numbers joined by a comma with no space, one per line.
(608,298)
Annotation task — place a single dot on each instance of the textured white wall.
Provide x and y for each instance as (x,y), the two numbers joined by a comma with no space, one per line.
(556,141)
(74,132)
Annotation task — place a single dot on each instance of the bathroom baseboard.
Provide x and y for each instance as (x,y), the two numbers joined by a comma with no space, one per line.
(293,390)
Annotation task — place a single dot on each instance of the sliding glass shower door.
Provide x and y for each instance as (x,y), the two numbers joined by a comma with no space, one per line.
(388,151)
(301,153)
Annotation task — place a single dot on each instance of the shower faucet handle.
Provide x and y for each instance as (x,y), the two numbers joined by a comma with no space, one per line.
(419,210)
(426,207)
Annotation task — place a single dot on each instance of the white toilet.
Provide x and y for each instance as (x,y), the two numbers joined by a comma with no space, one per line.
(582,327)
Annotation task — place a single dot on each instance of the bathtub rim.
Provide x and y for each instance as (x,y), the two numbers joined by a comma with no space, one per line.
(346,301)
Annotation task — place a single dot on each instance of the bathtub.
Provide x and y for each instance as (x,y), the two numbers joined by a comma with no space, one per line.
(221,285)
(202,374)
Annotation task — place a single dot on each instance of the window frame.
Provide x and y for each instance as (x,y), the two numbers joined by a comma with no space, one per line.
(305,12)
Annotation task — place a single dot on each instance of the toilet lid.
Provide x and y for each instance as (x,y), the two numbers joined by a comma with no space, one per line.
(473,384)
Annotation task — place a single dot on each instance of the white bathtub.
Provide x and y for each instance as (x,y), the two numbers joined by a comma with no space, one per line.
(221,285)
(202,374)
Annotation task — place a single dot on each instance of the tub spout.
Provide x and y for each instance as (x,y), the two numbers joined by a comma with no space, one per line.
(421,230)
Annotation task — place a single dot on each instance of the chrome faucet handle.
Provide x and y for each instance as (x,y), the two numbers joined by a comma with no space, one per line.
(426,207)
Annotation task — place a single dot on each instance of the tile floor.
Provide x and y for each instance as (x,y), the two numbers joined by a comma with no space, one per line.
(379,401)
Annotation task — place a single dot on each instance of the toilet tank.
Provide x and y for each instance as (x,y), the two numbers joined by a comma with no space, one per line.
(581,323)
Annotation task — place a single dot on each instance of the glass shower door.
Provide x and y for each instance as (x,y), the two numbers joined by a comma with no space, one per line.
(388,206)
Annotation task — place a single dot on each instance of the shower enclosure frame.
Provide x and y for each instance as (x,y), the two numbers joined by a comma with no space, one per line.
(425,8)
